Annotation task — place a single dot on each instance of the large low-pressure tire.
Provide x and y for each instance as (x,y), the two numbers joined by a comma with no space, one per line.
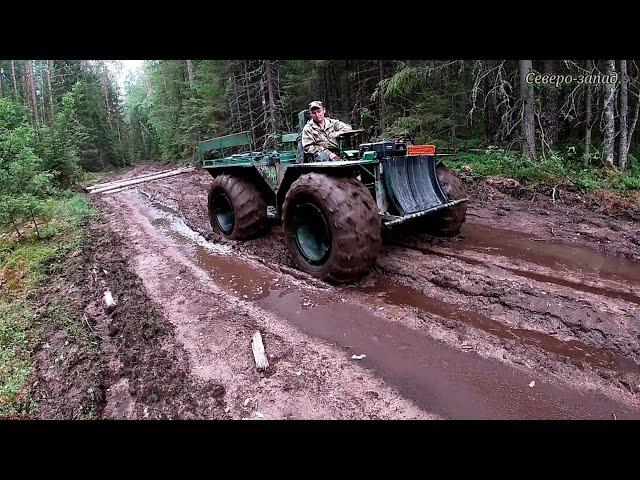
(237,208)
(447,222)
(332,227)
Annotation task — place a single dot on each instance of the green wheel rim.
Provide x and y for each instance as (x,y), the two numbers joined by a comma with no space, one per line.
(223,212)
(312,233)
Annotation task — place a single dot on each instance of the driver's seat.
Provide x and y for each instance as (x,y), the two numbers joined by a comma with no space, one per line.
(303,118)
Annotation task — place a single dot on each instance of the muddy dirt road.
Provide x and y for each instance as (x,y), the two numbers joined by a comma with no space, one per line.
(532,312)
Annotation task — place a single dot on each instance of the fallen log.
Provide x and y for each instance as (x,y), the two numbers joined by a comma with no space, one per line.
(142,180)
(136,180)
(117,189)
(258,352)
(114,182)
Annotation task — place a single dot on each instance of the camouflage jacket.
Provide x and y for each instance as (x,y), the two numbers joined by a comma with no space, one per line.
(316,140)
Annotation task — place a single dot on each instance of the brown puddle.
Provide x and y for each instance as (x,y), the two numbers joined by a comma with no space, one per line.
(547,253)
(230,273)
(403,295)
(436,377)
(607,292)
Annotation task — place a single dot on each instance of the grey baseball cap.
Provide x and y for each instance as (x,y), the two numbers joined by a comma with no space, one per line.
(315,104)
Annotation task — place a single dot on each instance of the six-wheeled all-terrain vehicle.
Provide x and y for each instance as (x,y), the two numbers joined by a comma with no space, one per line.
(332,212)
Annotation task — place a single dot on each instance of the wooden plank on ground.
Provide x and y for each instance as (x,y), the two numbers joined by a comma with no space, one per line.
(258,352)
(108,302)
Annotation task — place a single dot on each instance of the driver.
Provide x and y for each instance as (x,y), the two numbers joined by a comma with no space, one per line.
(319,135)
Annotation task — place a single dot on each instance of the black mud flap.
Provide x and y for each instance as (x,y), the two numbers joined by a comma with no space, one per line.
(412,184)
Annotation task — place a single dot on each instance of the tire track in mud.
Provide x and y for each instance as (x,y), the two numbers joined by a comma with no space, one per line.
(535,310)
(305,379)
(397,294)
(608,310)
(532,275)
(547,318)
(553,254)
(613,236)
(454,384)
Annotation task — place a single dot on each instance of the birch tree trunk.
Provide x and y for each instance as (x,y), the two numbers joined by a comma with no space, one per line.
(609,126)
(551,106)
(13,77)
(381,105)
(528,125)
(588,121)
(49,70)
(272,103)
(623,114)
(190,73)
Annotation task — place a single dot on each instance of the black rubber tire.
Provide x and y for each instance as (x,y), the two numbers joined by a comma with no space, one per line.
(447,223)
(248,204)
(352,217)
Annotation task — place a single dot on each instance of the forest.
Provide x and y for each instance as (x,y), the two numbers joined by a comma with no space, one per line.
(551,127)
(62,118)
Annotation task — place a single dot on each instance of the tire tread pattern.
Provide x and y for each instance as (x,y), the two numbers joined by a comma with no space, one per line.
(248,203)
(354,221)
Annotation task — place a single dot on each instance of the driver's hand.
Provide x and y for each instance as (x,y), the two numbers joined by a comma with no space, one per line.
(333,156)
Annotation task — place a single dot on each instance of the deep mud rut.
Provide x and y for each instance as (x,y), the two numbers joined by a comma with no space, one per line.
(532,312)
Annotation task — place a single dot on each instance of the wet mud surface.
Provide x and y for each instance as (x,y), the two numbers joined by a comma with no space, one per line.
(531,312)
(126,364)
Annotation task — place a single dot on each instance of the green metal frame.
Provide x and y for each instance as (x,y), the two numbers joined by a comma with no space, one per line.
(219,144)
(275,171)
(290,138)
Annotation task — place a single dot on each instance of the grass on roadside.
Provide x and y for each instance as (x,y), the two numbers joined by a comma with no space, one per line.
(553,169)
(25,262)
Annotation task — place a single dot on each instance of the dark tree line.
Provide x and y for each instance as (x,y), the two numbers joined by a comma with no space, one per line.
(77,111)
(57,119)
(452,103)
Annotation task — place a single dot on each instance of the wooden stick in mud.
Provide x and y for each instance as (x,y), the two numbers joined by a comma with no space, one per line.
(141,180)
(258,352)
(114,182)
(109,302)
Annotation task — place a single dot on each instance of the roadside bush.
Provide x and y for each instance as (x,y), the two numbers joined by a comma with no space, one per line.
(555,169)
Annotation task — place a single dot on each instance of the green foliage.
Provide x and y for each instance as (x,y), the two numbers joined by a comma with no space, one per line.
(12,115)
(23,267)
(24,184)
(75,210)
(172,116)
(18,334)
(166,101)
(59,157)
(88,133)
(405,81)
(554,169)
(297,79)
(37,161)
(142,138)
(429,111)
